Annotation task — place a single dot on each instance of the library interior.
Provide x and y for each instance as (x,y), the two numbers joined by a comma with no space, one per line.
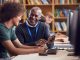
(39,29)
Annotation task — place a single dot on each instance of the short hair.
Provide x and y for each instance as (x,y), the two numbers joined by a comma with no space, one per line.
(10,10)
(35,9)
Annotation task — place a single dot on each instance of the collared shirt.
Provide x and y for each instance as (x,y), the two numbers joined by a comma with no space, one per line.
(30,25)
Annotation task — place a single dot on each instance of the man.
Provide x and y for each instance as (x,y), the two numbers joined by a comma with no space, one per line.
(32,30)
(10,15)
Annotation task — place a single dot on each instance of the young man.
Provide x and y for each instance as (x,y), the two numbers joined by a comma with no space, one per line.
(10,15)
(32,30)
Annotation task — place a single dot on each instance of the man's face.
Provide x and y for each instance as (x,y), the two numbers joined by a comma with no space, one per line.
(33,18)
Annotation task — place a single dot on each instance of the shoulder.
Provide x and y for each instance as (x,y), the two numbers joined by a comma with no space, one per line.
(2,28)
(42,24)
(20,26)
(4,33)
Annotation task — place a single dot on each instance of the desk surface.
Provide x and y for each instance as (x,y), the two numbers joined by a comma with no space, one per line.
(61,55)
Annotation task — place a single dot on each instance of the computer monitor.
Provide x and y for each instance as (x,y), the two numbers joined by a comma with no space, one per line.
(77,41)
(72,26)
(74,31)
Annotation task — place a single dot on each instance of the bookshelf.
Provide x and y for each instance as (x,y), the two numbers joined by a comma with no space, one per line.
(60,12)
(58,8)
(52,6)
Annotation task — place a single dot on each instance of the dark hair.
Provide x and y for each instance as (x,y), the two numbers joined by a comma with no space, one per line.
(10,10)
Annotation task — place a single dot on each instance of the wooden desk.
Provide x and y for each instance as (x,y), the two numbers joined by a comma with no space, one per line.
(61,55)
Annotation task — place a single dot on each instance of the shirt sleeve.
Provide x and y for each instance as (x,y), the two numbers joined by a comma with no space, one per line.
(3,36)
(13,35)
(46,32)
(48,29)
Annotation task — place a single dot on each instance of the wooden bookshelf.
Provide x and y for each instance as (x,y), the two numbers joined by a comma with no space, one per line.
(64,5)
(61,18)
(54,4)
(49,6)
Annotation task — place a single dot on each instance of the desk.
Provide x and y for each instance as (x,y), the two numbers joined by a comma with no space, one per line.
(61,55)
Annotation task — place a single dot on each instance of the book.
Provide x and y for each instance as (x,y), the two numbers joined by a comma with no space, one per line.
(40,2)
(44,1)
(62,1)
(61,13)
(58,12)
(66,1)
(57,24)
(31,2)
(49,1)
(64,26)
(65,12)
(63,46)
(69,1)
(36,2)
(56,2)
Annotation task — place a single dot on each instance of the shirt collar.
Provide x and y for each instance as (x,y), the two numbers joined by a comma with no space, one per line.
(30,25)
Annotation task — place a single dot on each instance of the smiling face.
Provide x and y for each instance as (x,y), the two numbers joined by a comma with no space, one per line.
(34,16)
(48,19)
(33,19)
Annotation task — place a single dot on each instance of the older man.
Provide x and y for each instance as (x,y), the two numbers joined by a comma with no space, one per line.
(32,30)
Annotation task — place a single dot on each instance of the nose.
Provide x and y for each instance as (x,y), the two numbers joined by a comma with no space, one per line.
(20,20)
(33,17)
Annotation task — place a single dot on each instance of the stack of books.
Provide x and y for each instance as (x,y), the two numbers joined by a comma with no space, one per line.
(65,44)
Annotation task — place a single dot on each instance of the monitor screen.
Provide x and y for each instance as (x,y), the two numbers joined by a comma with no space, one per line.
(77,40)
(72,26)
(74,30)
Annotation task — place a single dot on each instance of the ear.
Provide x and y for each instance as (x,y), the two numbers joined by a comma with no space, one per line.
(29,13)
(13,19)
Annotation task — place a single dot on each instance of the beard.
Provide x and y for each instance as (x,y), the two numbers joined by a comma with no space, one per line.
(32,22)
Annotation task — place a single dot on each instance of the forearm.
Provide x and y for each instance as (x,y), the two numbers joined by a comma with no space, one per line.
(28,47)
(21,51)
(18,44)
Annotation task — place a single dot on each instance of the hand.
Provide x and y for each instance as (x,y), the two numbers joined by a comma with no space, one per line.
(41,42)
(41,49)
(51,39)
